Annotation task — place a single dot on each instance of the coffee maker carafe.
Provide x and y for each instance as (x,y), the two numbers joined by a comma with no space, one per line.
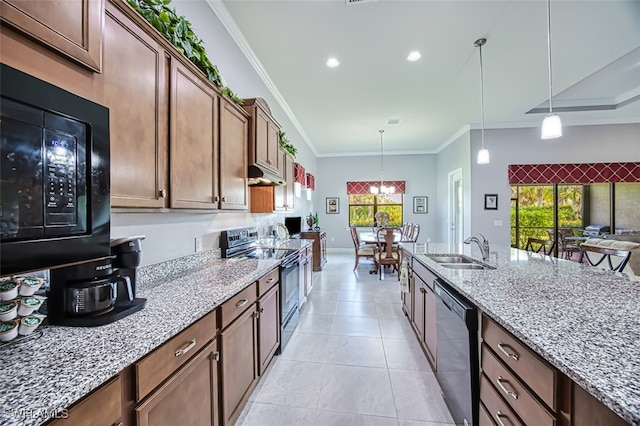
(98,292)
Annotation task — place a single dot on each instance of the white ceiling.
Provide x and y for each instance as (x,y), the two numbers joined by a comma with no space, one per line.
(596,61)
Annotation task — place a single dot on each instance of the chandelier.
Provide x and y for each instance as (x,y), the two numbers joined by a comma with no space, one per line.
(382,189)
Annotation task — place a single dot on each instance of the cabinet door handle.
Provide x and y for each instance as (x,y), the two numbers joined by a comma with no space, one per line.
(270,280)
(187,348)
(163,193)
(511,354)
(422,290)
(241,303)
(256,314)
(499,380)
(500,416)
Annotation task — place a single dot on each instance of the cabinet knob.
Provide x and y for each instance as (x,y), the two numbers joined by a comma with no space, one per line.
(216,198)
(163,193)
(269,162)
(224,199)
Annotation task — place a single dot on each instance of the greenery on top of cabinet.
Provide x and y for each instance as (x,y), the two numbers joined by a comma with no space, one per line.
(177,29)
(286,145)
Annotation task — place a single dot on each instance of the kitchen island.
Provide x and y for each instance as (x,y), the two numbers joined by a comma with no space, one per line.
(580,319)
(43,376)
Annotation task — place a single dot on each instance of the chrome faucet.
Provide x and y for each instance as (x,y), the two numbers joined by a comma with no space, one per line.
(482,245)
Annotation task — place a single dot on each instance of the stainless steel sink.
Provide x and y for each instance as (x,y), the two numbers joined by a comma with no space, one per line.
(462,266)
(454,258)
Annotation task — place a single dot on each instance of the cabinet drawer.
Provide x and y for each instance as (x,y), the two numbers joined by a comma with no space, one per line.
(268,281)
(533,370)
(154,368)
(497,408)
(237,304)
(102,407)
(514,392)
(423,272)
(485,417)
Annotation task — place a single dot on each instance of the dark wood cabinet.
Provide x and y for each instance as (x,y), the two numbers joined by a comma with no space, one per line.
(135,66)
(268,327)
(189,397)
(267,199)
(72,28)
(264,136)
(239,360)
(194,140)
(234,122)
(102,407)
(424,309)
(319,247)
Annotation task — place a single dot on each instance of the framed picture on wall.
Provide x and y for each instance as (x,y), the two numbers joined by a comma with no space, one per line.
(420,205)
(491,201)
(333,205)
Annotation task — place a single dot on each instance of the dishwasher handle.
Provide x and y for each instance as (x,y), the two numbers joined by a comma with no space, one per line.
(450,300)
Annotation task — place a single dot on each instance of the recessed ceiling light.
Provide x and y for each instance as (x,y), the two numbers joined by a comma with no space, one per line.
(414,56)
(332,62)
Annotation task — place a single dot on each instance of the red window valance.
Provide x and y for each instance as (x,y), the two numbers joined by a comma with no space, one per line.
(523,174)
(311,182)
(299,174)
(365,186)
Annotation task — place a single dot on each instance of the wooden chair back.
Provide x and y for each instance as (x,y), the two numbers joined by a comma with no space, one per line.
(602,253)
(387,253)
(537,245)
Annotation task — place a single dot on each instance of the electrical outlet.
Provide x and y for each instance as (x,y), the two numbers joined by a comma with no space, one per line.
(332,239)
(198,244)
(428,239)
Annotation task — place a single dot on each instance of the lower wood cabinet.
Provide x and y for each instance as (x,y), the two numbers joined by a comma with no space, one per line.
(239,363)
(319,247)
(268,327)
(423,308)
(189,397)
(102,407)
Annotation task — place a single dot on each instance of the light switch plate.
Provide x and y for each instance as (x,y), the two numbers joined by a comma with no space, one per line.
(497,223)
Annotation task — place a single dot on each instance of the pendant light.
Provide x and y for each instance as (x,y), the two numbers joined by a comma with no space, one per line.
(483,154)
(551,125)
(382,189)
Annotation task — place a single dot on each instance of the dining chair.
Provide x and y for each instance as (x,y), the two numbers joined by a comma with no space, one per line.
(362,250)
(537,245)
(621,256)
(387,253)
(415,232)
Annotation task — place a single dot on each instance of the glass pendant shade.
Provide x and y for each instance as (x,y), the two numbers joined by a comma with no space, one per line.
(483,156)
(374,190)
(551,127)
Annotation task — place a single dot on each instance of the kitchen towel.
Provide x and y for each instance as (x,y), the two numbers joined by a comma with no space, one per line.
(404,277)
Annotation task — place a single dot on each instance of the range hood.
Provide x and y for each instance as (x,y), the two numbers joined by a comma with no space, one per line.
(260,176)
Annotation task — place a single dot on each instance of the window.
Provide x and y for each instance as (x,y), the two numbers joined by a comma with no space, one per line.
(536,209)
(363,207)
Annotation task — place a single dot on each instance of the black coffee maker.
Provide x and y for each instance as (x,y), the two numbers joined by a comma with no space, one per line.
(98,292)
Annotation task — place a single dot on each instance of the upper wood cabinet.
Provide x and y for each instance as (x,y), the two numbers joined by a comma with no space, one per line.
(136,87)
(71,27)
(284,194)
(193,141)
(234,127)
(264,136)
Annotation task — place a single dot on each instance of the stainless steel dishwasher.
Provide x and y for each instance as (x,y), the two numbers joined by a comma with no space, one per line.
(457,368)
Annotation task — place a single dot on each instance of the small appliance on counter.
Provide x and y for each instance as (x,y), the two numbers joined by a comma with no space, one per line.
(97,292)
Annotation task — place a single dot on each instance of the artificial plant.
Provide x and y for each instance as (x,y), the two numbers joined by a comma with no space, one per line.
(286,145)
(177,29)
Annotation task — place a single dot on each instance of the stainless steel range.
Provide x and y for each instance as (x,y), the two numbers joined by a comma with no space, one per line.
(244,244)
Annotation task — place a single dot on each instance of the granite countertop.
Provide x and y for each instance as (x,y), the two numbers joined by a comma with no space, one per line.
(581,319)
(40,376)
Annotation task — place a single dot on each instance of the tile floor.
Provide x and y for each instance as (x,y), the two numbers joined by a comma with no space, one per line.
(352,361)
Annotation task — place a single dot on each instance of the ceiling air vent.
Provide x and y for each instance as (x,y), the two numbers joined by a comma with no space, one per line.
(348,2)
